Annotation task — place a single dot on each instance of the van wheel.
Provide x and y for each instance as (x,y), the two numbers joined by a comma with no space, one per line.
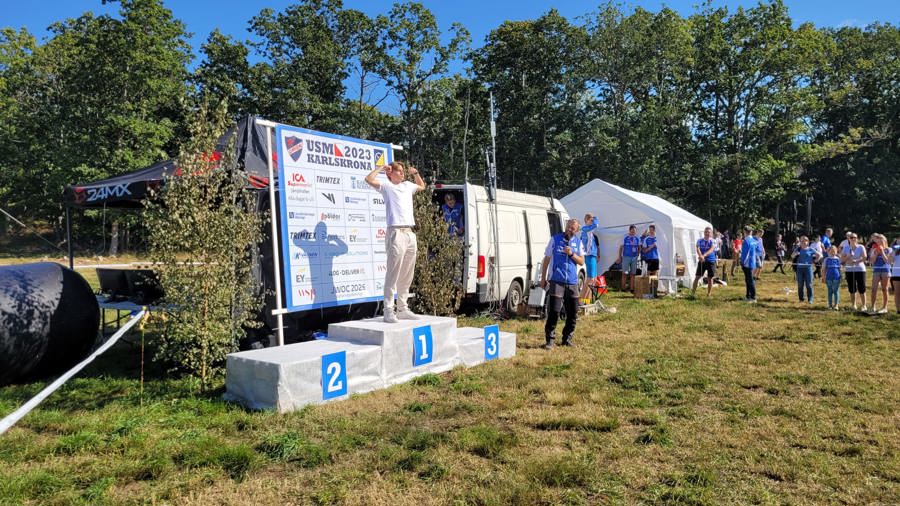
(514,297)
(581,280)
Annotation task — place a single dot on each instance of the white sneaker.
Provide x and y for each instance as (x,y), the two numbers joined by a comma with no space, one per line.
(864,309)
(389,316)
(406,314)
(882,310)
(854,307)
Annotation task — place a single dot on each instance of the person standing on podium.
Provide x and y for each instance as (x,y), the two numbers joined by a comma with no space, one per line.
(400,242)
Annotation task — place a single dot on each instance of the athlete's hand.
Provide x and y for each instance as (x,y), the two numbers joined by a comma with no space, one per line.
(413,171)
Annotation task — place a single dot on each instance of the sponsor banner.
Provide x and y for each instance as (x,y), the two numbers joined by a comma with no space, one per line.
(333,227)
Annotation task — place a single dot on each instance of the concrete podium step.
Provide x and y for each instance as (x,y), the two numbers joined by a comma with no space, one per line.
(475,347)
(358,356)
(289,377)
(410,348)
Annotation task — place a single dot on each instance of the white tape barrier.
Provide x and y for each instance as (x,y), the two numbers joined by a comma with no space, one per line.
(26,408)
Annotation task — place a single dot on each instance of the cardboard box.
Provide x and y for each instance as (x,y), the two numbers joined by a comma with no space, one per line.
(645,285)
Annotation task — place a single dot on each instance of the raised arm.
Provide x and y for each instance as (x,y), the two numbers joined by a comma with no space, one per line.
(420,184)
(370,178)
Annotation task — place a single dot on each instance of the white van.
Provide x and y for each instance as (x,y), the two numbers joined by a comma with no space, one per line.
(525,224)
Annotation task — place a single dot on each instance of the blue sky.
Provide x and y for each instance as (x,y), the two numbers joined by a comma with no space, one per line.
(231,16)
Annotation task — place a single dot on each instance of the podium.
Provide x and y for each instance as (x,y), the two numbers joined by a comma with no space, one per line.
(357,357)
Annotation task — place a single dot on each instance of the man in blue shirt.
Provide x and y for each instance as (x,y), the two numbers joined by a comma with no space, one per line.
(650,252)
(588,242)
(453,215)
(750,253)
(706,260)
(826,239)
(806,257)
(628,256)
(561,258)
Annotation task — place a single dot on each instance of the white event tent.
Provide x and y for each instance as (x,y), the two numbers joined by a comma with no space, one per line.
(616,208)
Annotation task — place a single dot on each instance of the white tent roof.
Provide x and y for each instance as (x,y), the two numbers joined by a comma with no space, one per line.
(616,208)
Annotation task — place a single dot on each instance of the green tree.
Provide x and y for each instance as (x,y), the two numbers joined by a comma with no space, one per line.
(202,227)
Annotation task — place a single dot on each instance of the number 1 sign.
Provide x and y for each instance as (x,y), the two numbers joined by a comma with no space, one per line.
(423,351)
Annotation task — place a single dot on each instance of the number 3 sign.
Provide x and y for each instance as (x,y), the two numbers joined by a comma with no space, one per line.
(491,342)
(334,375)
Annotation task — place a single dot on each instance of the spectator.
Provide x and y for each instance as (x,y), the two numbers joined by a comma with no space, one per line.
(895,272)
(826,239)
(832,277)
(880,261)
(650,252)
(816,245)
(806,259)
(853,255)
(760,253)
(749,260)
(845,242)
(706,260)
(562,257)
(453,215)
(589,244)
(628,256)
(736,251)
(780,250)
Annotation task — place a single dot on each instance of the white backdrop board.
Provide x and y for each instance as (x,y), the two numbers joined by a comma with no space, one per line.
(333,225)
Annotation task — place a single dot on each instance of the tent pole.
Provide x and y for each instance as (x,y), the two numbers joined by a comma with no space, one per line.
(276,258)
(69,236)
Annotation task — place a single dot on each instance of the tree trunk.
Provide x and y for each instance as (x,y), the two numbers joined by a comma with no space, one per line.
(114,239)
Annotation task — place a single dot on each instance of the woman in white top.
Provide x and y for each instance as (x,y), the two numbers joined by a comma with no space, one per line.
(853,255)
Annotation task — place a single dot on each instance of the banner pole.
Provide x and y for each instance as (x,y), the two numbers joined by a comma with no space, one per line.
(273,213)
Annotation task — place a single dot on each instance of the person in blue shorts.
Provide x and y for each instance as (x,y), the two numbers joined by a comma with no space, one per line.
(806,257)
(650,252)
(453,215)
(706,260)
(589,243)
(628,256)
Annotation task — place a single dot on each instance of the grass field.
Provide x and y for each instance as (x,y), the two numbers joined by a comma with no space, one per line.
(673,401)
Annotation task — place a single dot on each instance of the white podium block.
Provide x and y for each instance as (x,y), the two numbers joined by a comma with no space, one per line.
(401,348)
(289,377)
(472,345)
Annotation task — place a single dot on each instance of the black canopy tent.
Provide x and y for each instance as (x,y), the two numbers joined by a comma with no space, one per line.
(128,191)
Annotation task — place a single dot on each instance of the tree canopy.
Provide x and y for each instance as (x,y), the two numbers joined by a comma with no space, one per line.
(733,114)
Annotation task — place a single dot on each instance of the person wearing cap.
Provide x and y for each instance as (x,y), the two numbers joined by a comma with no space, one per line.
(750,253)
(400,243)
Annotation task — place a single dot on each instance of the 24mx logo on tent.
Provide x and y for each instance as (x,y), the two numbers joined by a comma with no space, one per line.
(102,193)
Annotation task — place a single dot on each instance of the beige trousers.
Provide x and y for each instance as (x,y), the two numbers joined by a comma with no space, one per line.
(401,265)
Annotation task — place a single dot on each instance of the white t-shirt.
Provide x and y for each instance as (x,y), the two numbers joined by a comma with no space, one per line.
(817,247)
(857,261)
(895,269)
(398,201)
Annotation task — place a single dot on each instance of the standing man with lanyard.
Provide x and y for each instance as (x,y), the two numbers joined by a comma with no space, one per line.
(750,253)
(650,251)
(562,257)
(401,242)
(628,256)
(589,245)
(706,260)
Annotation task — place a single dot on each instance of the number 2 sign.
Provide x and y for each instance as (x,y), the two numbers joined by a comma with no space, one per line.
(334,375)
